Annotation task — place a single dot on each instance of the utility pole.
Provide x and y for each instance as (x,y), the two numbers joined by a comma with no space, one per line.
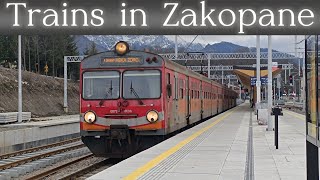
(176,46)
(285,76)
(296,55)
(270,124)
(258,83)
(303,82)
(296,51)
(209,59)
(274,93)
(19,81)
(222,75)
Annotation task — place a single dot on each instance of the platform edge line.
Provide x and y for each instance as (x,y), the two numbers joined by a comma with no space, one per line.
(299,116)
(154,162)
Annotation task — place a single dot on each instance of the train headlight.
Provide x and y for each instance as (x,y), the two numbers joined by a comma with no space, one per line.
(122,48)
(152,116)
(89,117)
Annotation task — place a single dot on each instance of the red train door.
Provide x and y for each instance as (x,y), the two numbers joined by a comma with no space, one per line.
(170,96)
(201,100)
(188,100)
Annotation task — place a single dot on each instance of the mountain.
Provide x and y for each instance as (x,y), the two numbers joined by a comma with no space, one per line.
(158,44)
(155,43)
(225,47)
(84,43)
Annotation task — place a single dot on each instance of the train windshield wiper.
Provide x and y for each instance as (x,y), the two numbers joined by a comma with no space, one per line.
(107,94)
(136,94)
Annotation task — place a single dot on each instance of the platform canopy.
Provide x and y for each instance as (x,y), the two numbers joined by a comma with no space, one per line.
(244,74)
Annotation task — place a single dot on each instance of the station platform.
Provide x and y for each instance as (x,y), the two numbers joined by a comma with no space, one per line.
(229,146)
(38,132)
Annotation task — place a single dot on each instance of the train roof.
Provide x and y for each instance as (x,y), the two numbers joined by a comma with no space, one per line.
(182,69)
(131,59)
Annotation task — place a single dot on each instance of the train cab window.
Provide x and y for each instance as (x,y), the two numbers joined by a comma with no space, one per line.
(141,84)
(101,85)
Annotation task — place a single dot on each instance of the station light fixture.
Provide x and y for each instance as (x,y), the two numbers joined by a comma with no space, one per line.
(152,116)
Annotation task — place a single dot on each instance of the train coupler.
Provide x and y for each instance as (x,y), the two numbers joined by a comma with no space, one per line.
(120,132)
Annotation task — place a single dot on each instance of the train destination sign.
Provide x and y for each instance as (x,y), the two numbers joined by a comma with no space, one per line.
(115,61)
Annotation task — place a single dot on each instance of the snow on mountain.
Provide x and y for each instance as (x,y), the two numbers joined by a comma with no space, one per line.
(158,44)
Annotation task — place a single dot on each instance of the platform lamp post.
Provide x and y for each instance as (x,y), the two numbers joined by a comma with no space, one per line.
(258,83)
(19,81)
(270,123)
(303,83)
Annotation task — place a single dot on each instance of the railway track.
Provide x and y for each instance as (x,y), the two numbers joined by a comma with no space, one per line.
(298,108)
(8,155)
(19,163)
(58,168)
(61,171)
(90,170)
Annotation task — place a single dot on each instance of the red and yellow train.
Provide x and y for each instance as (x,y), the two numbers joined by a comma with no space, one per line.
(133,99)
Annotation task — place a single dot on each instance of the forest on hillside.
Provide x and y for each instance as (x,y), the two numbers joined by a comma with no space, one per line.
(39,51)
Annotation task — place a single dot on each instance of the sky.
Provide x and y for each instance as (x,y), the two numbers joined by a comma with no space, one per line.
(284,43)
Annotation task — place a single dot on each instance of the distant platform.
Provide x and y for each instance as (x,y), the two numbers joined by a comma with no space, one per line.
(39,131)
(229,146)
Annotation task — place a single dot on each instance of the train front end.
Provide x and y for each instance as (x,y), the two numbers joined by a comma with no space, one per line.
(121,101)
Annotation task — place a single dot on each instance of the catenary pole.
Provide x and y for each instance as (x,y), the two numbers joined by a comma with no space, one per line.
(19,81)
(270,124)
(176,46)
(258,83)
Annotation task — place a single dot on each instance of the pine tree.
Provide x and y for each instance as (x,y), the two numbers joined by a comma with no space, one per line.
(93,49)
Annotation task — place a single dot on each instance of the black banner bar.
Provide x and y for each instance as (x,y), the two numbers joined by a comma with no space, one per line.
(149,17)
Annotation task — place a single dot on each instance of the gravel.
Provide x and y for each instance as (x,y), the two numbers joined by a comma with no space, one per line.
(67,170)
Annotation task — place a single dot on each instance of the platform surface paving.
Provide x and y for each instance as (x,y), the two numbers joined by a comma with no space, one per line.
(227,146)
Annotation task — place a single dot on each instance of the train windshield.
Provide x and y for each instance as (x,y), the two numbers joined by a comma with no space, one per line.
(141,84)
(101,85)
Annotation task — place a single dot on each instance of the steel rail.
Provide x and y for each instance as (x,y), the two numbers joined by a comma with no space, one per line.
(56,169)
(40,156)
(82,171)
(8,155)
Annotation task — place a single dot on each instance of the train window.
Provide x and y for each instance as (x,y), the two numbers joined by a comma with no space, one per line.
(191,94)
(175,88)
(181,93)
(141,84)
(101,85)
(169,86)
